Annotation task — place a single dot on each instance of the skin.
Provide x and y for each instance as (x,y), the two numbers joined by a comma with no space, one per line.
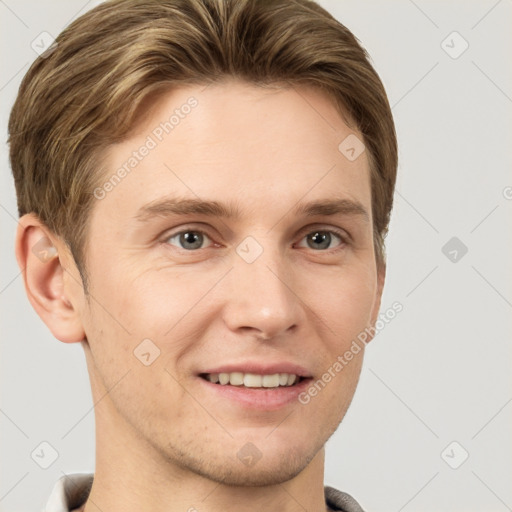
(163,443)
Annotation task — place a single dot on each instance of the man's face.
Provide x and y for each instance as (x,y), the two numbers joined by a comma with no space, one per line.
(273,288)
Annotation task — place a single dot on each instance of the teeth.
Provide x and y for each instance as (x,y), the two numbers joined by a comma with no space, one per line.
(271,381)
(252,380)
(236,378)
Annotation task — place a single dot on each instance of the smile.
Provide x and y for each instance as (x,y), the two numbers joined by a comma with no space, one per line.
(252,380)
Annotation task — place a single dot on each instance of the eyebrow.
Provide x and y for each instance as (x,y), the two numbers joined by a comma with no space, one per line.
(169,206)
(347,207)
(166,207)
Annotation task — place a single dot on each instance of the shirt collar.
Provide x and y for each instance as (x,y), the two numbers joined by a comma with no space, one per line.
(70,492)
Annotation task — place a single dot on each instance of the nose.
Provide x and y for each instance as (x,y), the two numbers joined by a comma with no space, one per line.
(260,298)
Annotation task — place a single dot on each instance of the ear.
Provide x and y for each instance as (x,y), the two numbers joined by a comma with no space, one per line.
(381,278)
(53,292)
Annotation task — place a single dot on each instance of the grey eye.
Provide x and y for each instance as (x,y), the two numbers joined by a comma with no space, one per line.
(188,240)
(321,239)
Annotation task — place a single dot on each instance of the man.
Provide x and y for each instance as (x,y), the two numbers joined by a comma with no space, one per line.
(204,189)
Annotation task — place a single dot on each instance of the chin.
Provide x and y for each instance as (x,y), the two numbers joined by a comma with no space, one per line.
(247,466)
(263,473)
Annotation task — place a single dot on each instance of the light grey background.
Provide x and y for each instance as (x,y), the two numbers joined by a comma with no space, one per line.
(439,372)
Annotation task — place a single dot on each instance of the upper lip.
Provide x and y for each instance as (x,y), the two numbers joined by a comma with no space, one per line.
(260,368)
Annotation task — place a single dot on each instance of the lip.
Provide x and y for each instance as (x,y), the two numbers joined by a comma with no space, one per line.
(259,399)
(260,368)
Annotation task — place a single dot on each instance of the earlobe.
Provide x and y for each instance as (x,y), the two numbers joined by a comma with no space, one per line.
(37,253)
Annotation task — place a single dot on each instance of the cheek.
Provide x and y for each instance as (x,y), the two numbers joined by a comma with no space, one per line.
(135,313)
(132,359)
(344,300)
(136,301)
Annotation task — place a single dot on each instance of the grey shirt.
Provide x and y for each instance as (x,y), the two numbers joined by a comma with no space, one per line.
(71,492)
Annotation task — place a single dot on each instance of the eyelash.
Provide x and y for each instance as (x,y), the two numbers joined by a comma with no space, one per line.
(343,236)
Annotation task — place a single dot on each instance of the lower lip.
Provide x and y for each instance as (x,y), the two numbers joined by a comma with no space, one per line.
(263,399)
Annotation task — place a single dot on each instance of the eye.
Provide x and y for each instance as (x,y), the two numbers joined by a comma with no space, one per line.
(322,239)
(188,240)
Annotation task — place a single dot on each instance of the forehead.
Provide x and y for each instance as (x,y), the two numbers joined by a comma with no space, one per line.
(263,148)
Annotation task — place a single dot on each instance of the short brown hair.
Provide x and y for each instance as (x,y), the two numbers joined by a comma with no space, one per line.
(85,93)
